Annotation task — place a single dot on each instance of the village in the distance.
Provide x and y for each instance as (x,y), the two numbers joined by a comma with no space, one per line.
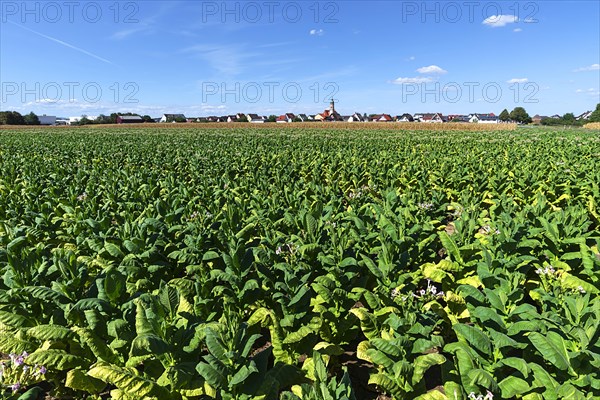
(518,115)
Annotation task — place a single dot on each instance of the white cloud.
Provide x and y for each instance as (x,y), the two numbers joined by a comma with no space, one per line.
(226,60)
(406,81)
(497,21)
(590,91)
(316,32)
(593,67)
(210,108)
(517,30)
(432,69)
(50,102)
(125,33)
(518,80)
(411,58)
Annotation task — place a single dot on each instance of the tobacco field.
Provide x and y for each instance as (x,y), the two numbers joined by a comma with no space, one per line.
(141,263)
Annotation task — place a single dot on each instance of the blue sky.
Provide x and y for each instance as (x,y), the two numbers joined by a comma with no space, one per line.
(215,58)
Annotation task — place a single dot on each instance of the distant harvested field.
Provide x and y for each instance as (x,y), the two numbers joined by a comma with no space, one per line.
(593,125)
(404,126)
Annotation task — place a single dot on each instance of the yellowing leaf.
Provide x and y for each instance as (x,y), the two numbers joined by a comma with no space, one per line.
(471,280)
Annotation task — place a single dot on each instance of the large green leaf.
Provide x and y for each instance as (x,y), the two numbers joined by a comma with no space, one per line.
(96,345)
(12,320)
(543,378)
(474,336)
(43,293)
(368,322)
(433,395)
(423,363)
(149,343)
(79,380)
(50,332)
(242,375)
(212,375)
(11,343)
(372,267)
(215,346)
(169,298)
(512,386)
(56,360)
(483,379)
(517,363)
(552,347)
(128,381)
(450,245)
(113,250)
(32,394)
(388,385)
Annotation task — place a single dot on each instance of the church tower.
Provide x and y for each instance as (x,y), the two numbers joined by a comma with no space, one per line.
(331,107)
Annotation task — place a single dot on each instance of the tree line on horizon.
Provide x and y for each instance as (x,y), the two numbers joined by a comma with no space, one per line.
(518,114)
(15,118)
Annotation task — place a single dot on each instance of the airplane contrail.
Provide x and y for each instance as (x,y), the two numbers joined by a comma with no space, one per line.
(63,43)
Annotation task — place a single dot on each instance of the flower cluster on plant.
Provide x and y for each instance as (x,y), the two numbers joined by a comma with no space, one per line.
(290,248)
(82,196)
(15,373)
(488,396)
(425,206)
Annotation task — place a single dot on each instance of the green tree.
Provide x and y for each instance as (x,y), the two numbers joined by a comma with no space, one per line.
(102,119)
(595,117)
(147,118)
(11,118)
(180,119)
(31,119)
(568,119)
(243,119)
(84,120)
(504,115)
(272,118)
(549,121)
(518,114)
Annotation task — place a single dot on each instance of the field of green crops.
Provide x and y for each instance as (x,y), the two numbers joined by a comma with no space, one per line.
(140,263)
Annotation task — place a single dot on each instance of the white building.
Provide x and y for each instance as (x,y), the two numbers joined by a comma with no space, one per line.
(356,117)
(255,119)
(172,117)
(75,120)
(47,119)
(483,118)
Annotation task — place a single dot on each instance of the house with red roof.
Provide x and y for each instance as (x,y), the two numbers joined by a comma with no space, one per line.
(381,118)
(285,118)
(330,114)
(429,117)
